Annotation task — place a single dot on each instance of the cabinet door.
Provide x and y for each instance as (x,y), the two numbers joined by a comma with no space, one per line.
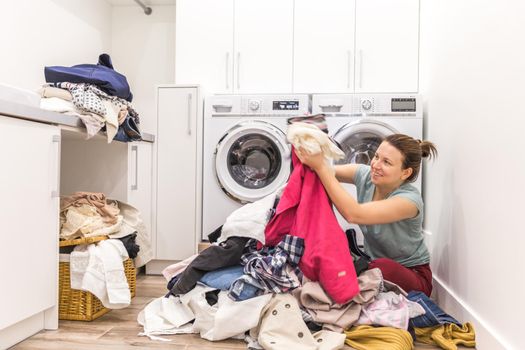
(140,171)
(387,45)
(324,46)
(263,46)
(29,216)
(176,173)
(204,44)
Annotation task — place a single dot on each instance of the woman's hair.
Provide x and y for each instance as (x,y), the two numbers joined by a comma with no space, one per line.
(412,150)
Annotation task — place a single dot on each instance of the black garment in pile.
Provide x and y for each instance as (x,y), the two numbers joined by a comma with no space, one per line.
(214,236)
(225,254)
(130,245)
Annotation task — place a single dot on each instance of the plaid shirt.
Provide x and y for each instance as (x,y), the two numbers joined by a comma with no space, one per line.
(275,269)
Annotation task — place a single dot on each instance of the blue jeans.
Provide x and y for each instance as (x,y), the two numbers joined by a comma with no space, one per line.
(224,277)
(433,316)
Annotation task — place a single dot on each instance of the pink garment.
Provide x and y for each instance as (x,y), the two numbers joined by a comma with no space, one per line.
(305,211)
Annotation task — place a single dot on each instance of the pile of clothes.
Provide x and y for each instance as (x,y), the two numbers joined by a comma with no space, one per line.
(280,275)
(97,94)
(88,214)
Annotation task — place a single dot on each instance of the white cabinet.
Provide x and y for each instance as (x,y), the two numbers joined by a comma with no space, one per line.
(387,45)
(356,45)
(140,180)
(263,46)
(324,46)
(204,44)
(235,46)
(29,183)
(178,172)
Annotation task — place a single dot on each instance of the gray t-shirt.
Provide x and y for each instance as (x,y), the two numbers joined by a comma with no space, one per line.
(401,241)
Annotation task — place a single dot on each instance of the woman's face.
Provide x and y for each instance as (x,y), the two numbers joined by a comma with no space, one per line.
(387,166)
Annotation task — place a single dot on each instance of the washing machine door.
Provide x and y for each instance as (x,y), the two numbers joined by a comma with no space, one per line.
(252,160)
(360,140)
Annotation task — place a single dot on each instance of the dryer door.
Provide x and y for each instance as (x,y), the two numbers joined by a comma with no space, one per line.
(360,140)
(252,160)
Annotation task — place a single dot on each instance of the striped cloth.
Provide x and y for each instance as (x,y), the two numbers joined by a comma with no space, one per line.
(275,269)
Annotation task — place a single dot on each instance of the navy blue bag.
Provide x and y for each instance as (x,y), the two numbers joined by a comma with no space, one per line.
(101,74)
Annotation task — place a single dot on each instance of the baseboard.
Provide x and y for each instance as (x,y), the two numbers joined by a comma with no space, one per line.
(486,337)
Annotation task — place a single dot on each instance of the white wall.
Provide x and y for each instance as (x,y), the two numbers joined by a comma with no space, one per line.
(39,33)
(144,47)
(472,77)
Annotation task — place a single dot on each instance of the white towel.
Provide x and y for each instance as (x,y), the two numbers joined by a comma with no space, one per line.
(105,276)
(313,140)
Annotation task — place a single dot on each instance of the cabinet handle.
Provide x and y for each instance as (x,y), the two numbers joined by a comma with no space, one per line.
(227,70)
(135,186)
(348,61)
(189,113)
(55,193)
(360,69)
(238,70)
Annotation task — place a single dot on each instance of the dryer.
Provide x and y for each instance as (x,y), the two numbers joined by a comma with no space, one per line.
(245,152)
(359,122)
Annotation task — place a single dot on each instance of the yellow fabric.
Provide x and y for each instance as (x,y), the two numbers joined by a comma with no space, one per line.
(447,336)
(378,338)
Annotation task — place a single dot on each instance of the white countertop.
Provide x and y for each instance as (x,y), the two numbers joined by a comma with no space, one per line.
(22,111)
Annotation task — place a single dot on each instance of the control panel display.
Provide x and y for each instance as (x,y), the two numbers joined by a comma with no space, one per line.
(404,104)
(285,105)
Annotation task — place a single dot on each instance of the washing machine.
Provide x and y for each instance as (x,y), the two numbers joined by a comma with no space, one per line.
(359,122)
(245,152)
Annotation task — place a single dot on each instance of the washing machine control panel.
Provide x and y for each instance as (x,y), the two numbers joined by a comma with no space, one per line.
(254,105)
(367,104)
(274,105)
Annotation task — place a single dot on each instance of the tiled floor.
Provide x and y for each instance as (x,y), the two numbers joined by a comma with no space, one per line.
(118,329)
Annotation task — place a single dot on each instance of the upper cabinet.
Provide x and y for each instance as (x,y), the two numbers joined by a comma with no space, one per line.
(324,46)
(356,46)
(235,46)
(302,46)
(386,45)
(204,44)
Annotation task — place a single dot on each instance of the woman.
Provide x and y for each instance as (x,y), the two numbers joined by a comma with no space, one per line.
(388,208)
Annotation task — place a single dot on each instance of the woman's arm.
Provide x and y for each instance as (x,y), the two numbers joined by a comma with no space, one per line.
(346,172)
(371,213)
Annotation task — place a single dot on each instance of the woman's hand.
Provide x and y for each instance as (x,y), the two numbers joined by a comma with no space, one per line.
(314,161)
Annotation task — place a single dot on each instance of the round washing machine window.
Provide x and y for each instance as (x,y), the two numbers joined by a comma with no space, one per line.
(360,140)
(252,160)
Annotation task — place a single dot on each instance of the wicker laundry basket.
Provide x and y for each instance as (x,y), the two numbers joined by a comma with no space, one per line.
(79,305)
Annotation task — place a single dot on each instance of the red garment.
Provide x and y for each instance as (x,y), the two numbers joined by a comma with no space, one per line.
(305,211)
(409,278)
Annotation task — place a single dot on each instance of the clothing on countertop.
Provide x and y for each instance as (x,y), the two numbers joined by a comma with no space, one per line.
(101,74)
